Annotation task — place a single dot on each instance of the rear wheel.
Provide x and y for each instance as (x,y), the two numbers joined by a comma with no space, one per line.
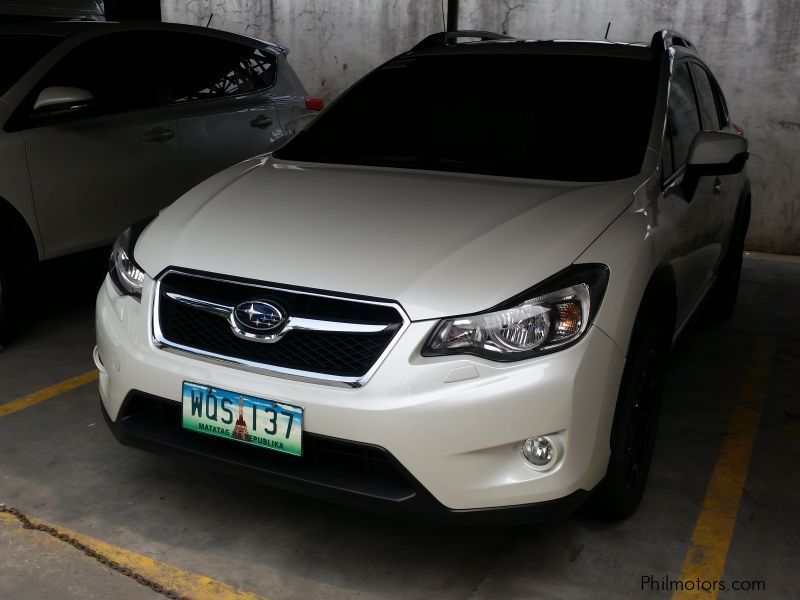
(635,423)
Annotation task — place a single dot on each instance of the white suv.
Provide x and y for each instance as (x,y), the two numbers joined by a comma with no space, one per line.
(453,294)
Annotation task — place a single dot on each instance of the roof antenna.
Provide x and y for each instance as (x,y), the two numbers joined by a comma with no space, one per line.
(211,16)
(607,30)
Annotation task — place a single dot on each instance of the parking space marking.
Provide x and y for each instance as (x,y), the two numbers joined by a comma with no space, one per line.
(186,583)
(48,392)
(705,558)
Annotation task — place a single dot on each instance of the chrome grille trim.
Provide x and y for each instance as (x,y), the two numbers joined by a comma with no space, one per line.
(292,323)
(161,342)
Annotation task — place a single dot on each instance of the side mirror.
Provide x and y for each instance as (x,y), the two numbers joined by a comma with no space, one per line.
(713,153)
(62,100)
(717,153)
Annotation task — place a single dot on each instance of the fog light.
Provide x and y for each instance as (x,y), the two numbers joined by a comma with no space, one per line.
(540,452)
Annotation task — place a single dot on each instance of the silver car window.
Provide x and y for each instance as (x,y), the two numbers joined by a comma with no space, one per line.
(202,68)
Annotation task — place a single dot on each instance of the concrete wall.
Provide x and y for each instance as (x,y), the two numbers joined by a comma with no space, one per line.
(753,46)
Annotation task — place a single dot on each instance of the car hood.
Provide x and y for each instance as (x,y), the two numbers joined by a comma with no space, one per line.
(439,243)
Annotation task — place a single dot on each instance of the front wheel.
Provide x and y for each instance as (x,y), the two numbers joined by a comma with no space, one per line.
(633,433)
(8,301)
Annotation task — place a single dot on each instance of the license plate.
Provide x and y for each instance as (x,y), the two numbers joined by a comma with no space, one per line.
(243,418)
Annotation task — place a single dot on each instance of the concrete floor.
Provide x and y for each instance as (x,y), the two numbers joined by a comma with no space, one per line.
(59,463)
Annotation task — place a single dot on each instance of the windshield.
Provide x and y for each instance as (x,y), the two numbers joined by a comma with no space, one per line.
(26,49)
(542,116)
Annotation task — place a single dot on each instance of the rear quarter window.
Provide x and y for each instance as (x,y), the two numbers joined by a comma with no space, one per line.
(203,68)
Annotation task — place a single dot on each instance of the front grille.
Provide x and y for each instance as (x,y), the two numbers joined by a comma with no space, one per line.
(349,355)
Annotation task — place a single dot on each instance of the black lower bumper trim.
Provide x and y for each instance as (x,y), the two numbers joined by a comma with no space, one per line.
(358,475)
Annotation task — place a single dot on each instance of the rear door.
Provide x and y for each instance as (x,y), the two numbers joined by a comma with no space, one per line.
(95,171)
(696,240)
(724,188)
(221,92)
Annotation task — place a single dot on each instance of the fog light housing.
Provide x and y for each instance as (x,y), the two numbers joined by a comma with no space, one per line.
(540,452)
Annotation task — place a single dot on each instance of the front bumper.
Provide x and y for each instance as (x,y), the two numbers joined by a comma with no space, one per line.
(451,428)
(358,475)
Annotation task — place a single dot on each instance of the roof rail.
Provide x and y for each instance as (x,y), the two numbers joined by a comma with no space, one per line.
(444,38)
(666,38)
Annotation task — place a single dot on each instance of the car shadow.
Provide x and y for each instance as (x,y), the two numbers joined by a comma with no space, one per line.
(57,292)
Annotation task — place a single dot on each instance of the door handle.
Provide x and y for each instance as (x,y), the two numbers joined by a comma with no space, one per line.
(717,188)
(261,122)
(159,135)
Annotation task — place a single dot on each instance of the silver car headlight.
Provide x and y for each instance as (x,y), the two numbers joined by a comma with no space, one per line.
(548,317)
(127,276)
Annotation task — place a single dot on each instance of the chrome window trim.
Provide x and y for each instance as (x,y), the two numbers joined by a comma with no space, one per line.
(162,343)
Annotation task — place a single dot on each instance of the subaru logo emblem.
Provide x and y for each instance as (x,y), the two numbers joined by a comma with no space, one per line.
(258,315)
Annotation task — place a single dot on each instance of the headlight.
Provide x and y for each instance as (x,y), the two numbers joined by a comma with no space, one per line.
(548,317)
(127,276)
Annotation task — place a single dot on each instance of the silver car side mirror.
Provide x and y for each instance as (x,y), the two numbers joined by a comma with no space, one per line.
(59,99)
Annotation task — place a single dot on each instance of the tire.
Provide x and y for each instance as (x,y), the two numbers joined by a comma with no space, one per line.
(14,277)
(17,259)
(635,424)
(8,297)
(726,288)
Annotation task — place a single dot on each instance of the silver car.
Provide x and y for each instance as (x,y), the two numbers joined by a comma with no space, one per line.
(106,123)
(17,11)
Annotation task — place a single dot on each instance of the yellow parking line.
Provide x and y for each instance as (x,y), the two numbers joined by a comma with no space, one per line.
(705,558)
(47,393)
(185,583)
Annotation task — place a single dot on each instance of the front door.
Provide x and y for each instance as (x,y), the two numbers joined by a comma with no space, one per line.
(95,171)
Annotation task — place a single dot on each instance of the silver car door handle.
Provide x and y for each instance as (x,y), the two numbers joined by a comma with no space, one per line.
(717,188)
(159,135)
(261,122)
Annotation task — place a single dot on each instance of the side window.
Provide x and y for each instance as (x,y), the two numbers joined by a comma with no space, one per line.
(724,116)
(683,116)
(203,68)
(261,65)
(116,68)
(705,94)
